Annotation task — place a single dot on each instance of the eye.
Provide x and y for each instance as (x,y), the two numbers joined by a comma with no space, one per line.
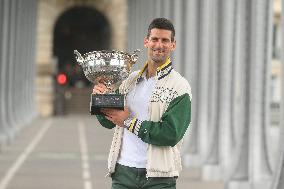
(154,39)
(165,40)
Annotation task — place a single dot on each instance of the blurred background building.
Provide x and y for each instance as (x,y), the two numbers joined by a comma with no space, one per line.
(229,50)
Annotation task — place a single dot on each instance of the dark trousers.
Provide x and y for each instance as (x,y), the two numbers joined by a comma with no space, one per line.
(135,178)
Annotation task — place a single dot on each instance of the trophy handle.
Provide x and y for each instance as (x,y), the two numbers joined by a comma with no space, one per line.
(134,56)
(79,57)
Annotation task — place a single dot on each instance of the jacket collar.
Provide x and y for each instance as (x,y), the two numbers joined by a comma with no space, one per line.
(161,72)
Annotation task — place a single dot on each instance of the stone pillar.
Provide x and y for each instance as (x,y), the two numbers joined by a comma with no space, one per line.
(259,122)
(167,9)
(138,22)
(16,63)
(198,34)
(239,165)
(191,144)
(211,169)
(136,31)
(250,165)
(4,14)
(203,79)
(10,69)
(201,54)
(158,8)
(33,57)
(27,70)
(278,181)
(177,56)
(27,54)
(226,72)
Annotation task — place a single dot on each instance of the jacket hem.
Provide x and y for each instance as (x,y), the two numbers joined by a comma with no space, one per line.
(162,174)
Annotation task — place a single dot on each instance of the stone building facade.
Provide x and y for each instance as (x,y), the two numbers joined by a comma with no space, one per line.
(49,12)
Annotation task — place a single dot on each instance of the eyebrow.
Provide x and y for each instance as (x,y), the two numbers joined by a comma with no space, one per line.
(163,39)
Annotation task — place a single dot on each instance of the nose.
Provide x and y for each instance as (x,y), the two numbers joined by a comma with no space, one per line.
(159,44)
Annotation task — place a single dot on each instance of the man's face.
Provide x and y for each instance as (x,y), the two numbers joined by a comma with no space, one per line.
(159,45)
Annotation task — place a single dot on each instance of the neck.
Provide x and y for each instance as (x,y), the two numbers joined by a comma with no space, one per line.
(152,68)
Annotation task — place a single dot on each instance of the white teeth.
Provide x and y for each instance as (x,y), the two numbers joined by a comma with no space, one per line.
(158,51)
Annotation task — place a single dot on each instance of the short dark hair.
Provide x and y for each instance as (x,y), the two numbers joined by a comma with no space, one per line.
(162,23)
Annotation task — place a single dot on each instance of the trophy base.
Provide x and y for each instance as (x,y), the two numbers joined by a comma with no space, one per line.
(99,101)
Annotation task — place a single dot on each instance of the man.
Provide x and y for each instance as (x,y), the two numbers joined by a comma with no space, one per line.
(145,151)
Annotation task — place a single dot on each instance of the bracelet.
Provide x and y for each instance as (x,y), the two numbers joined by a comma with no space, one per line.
(127,122)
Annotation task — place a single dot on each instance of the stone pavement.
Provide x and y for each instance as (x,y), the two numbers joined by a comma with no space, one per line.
(67,153)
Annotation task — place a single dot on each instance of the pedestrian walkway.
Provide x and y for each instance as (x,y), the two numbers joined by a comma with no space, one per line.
(67,153)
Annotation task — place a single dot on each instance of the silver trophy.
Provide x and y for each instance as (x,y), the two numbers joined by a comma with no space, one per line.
(109,68)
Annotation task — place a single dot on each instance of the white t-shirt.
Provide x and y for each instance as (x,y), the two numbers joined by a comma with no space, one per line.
(134,150)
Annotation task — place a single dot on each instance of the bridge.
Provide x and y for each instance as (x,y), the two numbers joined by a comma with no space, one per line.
(229,51)
(68,152)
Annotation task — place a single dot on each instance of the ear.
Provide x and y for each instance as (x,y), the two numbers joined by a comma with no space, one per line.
(146,41)
(173,45)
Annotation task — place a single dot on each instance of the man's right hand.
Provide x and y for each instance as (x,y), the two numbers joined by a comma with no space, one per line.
(99,89)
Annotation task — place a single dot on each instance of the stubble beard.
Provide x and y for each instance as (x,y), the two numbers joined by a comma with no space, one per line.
(158,59)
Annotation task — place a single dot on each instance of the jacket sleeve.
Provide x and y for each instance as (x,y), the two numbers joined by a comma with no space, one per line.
(170,129)
(105,122)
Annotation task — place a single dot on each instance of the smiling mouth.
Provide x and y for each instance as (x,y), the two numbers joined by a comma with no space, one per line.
(158,51)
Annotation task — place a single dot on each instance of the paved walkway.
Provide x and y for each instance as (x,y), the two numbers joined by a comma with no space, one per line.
(67,153)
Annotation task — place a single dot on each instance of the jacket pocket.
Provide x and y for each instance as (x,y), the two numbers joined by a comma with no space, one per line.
(160,159)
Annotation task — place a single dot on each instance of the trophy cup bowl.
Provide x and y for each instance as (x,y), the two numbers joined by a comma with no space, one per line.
(109,68)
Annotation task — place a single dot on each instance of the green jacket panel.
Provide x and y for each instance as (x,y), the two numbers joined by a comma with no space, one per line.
(173,125)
